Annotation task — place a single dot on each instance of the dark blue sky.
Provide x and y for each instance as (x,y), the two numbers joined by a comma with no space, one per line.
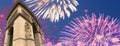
(52,30)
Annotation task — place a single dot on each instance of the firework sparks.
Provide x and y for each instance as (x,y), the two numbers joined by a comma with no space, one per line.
(93,31)
(52,9)
(1,16)
(15,1)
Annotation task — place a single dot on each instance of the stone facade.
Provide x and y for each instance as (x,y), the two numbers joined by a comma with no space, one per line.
(22,28)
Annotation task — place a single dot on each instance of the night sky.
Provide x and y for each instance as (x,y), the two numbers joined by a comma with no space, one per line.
(52,29)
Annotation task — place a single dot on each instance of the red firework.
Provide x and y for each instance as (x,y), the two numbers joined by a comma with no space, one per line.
(15,1)
(1,16)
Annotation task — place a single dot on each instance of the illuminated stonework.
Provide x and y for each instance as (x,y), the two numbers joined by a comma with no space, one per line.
(22,29)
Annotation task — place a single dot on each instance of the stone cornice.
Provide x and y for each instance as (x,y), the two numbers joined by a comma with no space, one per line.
(23,11)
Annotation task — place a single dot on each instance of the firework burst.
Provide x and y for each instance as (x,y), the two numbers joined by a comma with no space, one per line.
(93,31)
(52,9)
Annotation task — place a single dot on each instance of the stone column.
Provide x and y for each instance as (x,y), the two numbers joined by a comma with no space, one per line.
(19,32)
(7,38)
(38,37)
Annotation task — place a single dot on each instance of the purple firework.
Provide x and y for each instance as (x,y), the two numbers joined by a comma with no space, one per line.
(93,31)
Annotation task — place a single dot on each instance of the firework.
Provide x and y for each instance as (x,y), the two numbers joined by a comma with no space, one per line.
(93,31)
(1,16)
(52,9)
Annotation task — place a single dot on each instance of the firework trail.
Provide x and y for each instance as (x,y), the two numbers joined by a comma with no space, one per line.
(93,31)
(52,9)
